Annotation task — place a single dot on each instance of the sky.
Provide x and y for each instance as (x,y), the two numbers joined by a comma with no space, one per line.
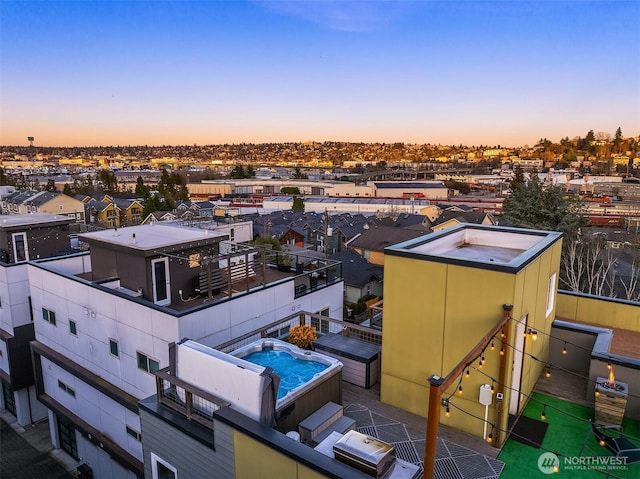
(84,73)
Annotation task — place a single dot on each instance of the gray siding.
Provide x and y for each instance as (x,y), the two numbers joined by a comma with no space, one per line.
(191,458)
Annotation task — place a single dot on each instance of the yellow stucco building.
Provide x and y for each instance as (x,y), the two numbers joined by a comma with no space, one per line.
(443,292)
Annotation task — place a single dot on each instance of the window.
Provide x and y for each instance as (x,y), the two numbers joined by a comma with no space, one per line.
(161,469)
(551,297)
(20,251)
(67,437)
(147,364)
(321,326)
(72,327)
(113,348)
(134,434)
(7,395)
(49,316)
(194,260)
(66,388)
(160,278)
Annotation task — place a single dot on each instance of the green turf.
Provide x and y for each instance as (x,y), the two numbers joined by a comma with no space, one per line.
(568,427)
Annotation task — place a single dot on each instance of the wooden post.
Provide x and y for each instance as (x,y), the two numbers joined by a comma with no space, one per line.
(433,419)
(438,384)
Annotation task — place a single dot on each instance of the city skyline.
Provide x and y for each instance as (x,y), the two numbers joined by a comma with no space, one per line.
(162,73)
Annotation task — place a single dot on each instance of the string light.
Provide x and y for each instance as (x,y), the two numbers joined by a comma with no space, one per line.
(490,436)
(467,374)
(492,346)
(502,351)
(564,349)
(460,390)
(547,373)
(543,416)
(503,334)
(609,366)
(448,411)
(493,388)
(534,335)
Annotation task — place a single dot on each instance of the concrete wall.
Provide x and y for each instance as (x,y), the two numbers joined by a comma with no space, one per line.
(588,356)
(436,312)
(605,312)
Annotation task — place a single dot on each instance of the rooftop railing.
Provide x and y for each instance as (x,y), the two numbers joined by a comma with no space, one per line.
(323,324)
(194,403)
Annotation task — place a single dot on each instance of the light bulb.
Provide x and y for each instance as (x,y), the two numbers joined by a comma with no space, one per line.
(460,390)
(534,335)
(492,346)
(467,374)
(447,412)
(547,373)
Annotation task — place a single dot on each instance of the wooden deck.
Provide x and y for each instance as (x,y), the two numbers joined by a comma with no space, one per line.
(566,385)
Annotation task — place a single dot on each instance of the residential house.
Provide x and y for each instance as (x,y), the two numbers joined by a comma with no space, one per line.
(102,213)
(361,278)
(117,308)
(373,241)
(23,237)
(450,218)
(31,201)
(130,211)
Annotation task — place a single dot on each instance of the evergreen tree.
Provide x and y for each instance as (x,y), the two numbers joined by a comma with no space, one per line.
(4,180)
(518,179)
(238,173)
(298,204)
(533,205)
(141,189)
(67,190)
(617,141)
(51,186)
(109,181)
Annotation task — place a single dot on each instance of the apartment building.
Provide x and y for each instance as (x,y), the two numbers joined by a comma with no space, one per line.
(104,320)
(31,201)
(23,237)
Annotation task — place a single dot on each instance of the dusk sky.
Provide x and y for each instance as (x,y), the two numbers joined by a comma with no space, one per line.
(179,72)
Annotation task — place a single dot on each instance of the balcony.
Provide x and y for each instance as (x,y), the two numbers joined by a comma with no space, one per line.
(190,401)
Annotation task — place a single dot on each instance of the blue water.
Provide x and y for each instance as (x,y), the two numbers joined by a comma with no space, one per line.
(293,372)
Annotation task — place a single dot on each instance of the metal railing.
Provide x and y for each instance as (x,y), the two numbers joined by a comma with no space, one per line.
(323,324)
(194,403)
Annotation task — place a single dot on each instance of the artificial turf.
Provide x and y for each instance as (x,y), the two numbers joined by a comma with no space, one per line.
(568,428)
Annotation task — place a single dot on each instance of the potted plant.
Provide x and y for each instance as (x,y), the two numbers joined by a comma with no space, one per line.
(284,262)
(302,336)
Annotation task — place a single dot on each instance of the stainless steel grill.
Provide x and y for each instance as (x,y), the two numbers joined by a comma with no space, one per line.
(365,453)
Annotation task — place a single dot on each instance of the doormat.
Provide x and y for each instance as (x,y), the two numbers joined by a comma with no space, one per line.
(529,431)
